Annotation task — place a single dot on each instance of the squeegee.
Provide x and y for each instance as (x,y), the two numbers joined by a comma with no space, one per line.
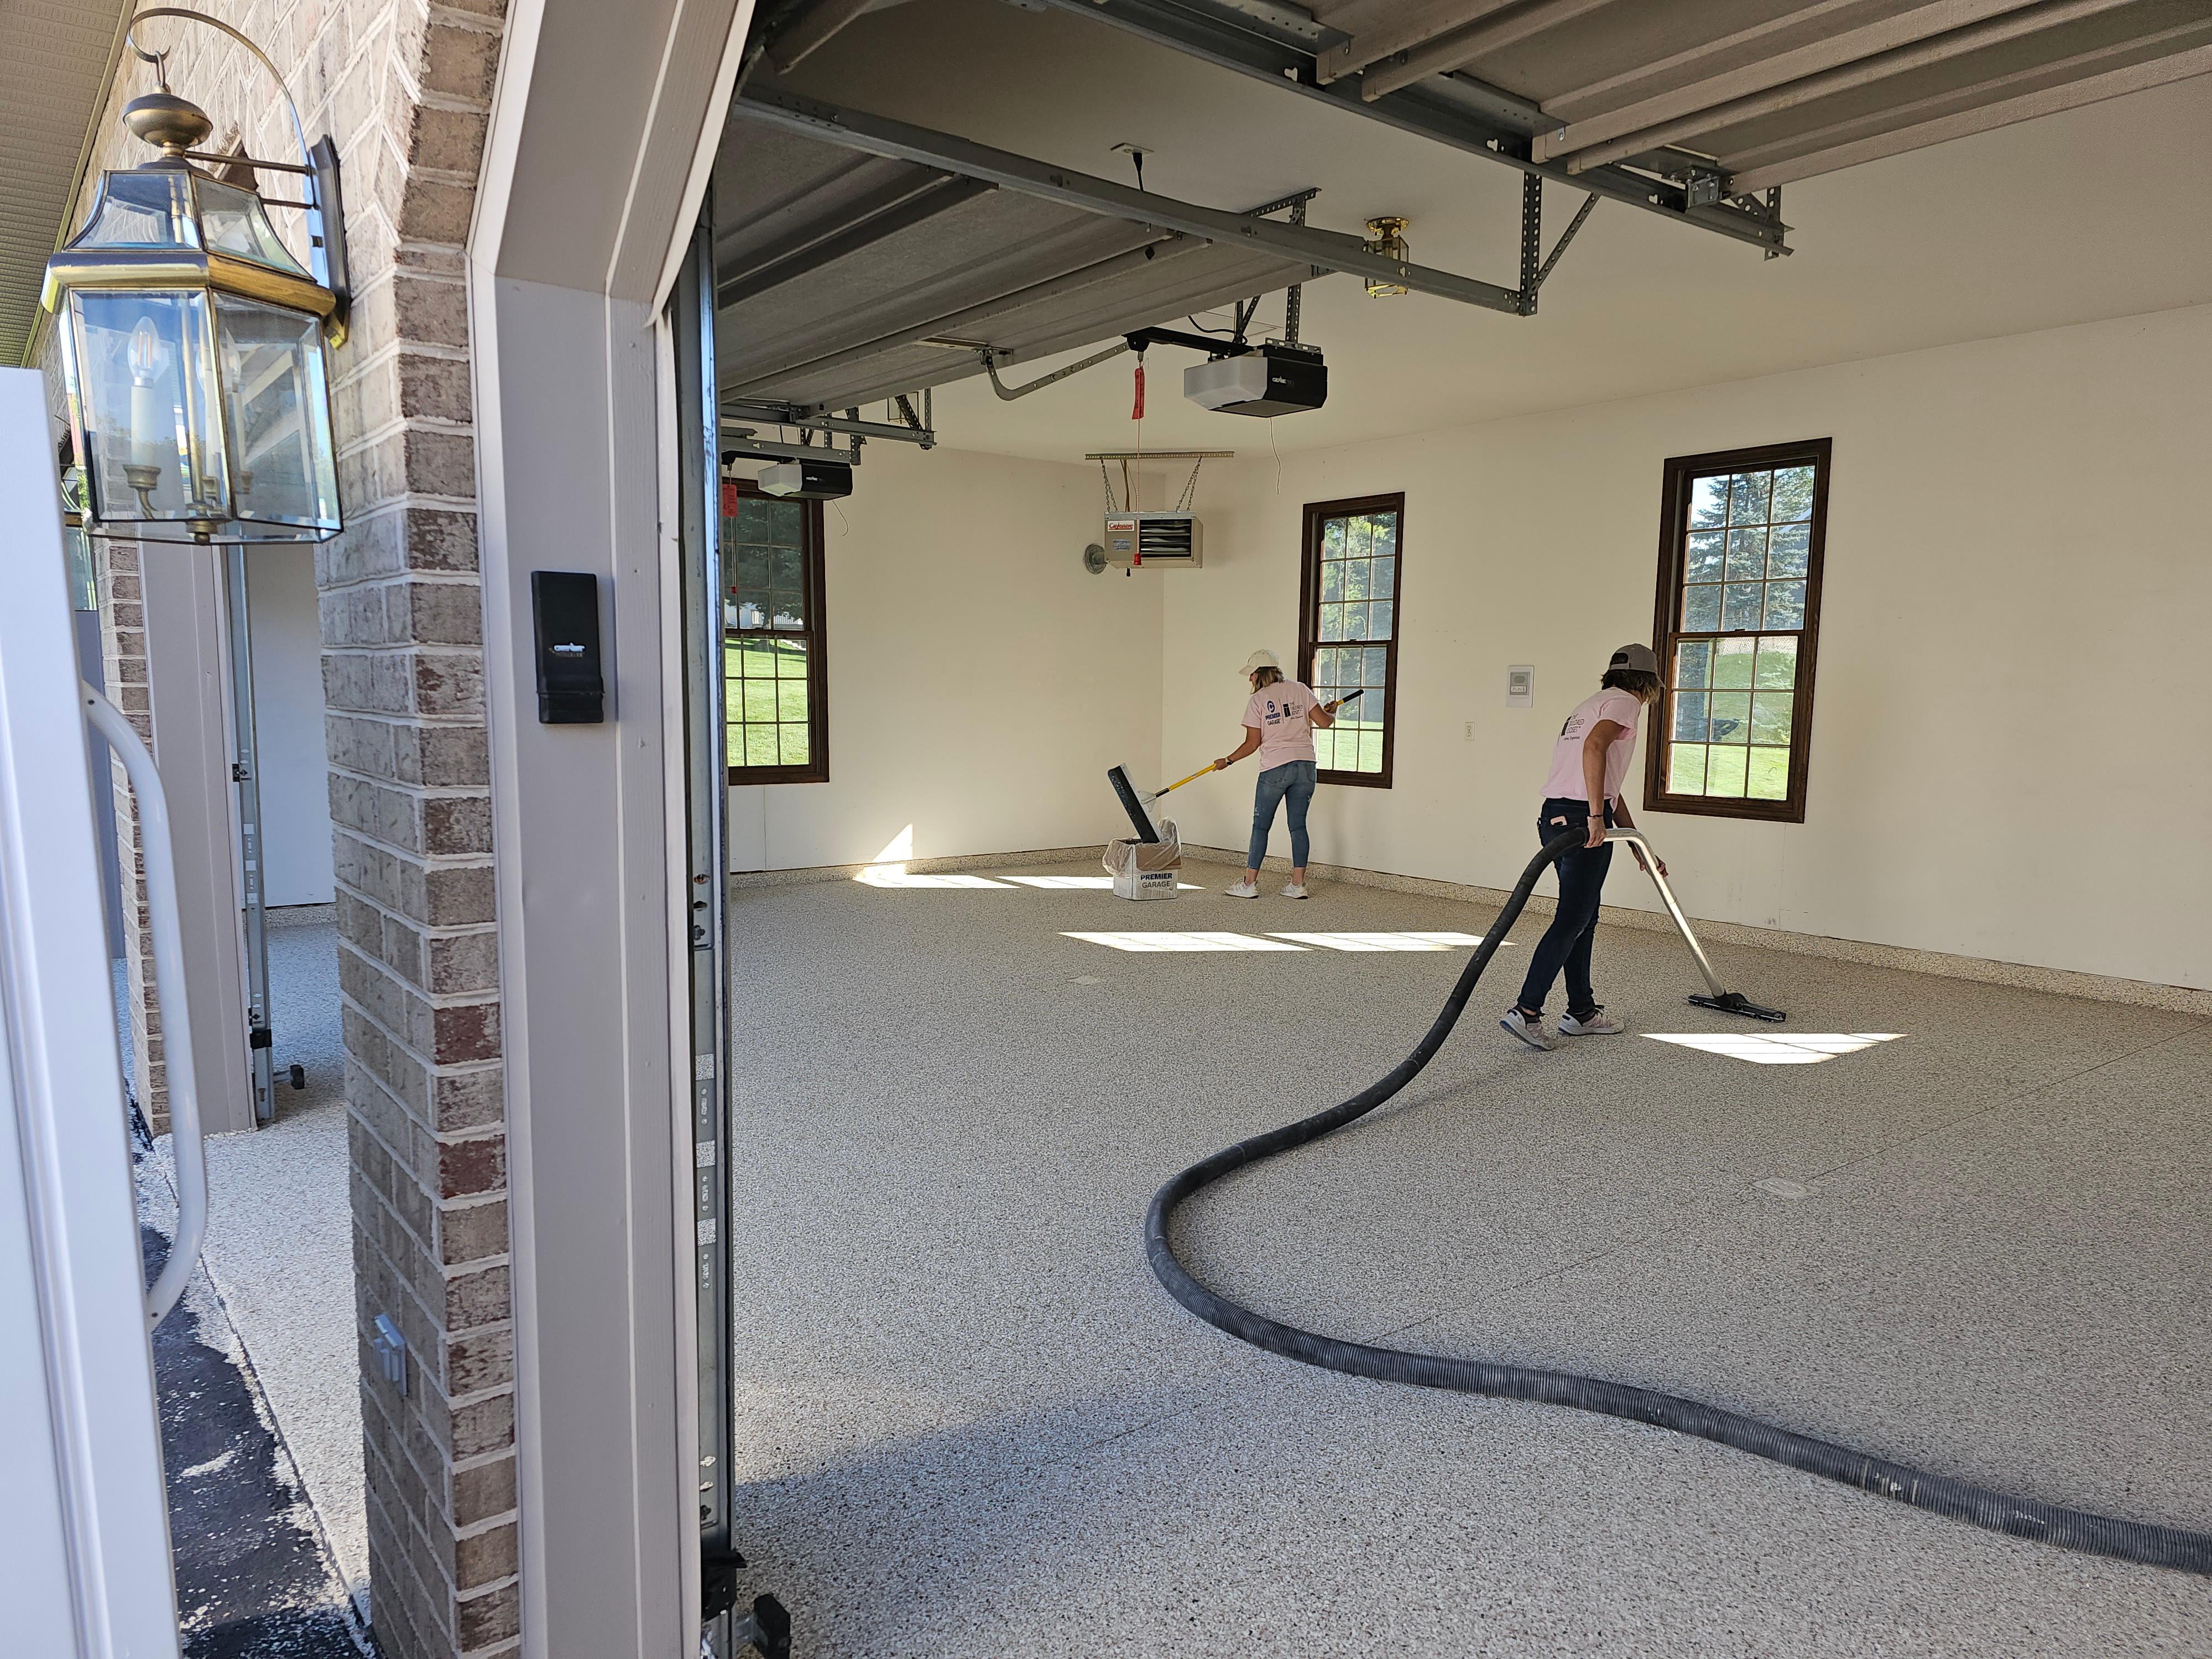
(1139,807)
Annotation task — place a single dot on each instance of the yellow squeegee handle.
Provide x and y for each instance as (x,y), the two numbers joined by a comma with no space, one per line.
(1212,766)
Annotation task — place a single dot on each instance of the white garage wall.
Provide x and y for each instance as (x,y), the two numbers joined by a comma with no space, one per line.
(288,724)
(2012,666)
(980,680)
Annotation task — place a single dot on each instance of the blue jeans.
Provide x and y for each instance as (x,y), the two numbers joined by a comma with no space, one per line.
(1567,943)
(1291,781)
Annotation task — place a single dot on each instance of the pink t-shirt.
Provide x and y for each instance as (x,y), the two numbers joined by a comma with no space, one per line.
(1280,712)
(1565,782)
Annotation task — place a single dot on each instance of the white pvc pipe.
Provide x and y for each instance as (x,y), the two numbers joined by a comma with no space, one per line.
(167,927)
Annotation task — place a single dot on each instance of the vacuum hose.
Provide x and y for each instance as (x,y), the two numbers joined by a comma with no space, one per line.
(2023,1517)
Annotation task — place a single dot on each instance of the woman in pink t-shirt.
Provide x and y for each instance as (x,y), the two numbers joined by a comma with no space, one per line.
(1589,763)
(1278,722)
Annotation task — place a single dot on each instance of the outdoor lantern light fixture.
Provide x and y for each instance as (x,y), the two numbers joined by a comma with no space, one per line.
(1389,242)
(191,341)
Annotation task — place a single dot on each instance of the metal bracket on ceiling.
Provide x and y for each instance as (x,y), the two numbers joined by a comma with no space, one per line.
(913,430)
(1534,268)
(738,441)
(1702,187)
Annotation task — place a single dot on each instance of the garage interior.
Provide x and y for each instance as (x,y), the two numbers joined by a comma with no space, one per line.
(1950,1213)
(1056,355)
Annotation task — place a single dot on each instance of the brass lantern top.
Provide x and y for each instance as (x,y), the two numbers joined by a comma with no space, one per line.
(166,223)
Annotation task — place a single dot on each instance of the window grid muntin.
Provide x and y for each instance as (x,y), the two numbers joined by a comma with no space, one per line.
(1717,506)
(774,681)
(1353,575)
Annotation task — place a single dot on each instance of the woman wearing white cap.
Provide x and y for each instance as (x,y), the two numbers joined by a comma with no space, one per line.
(1588,759)
(1278,722)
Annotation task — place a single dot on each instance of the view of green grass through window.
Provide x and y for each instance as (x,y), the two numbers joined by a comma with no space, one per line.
(1737,629)
(1349,631)
(772,624)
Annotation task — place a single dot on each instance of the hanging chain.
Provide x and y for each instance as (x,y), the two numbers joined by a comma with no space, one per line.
(1106,479)
(1190,486)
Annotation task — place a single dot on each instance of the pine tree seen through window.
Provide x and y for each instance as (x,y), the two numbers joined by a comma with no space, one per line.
(1348,631)
(1737,625)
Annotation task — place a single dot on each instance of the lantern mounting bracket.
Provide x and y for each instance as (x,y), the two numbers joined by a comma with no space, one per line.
(324,206)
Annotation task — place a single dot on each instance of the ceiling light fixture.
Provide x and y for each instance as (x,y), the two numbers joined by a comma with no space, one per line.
(1387,241)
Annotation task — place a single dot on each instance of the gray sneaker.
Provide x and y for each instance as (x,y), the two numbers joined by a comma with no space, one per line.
(1530,1031)
(1597,1023)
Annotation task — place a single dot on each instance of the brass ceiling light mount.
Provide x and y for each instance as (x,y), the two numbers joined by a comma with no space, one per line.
(1387,240)
(193,342)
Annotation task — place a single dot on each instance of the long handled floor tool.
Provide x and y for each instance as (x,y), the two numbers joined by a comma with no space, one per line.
(2021,1517)
(1728,1002)
(1140,807)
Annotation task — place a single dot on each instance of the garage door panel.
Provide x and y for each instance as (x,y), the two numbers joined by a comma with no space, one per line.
(2048,57)
(1077,309)
(887,297)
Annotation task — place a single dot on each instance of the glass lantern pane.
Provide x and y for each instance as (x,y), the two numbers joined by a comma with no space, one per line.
(139,209)
(235,222)
(139,377)
(279,412)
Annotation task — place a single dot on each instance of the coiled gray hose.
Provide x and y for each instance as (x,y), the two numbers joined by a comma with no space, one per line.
(2021,1517)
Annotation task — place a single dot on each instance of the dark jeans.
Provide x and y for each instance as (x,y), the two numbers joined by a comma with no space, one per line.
(1567,943)
(1290,783)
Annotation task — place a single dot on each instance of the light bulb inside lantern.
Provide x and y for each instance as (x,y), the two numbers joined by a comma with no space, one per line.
(147,356)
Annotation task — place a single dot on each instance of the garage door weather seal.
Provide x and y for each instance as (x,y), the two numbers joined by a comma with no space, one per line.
(2021,1517)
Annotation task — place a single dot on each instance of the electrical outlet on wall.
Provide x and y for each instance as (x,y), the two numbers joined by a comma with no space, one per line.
(1470,731)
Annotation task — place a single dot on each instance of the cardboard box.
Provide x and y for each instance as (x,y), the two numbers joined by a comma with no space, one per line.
(1145,869)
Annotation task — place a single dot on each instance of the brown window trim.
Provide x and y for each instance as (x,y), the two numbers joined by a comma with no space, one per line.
(817,657)
(1310,613)
(1674,542)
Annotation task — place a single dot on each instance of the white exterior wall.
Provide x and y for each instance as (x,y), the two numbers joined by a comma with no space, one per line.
(980,680)
(287,726)
(2018,596)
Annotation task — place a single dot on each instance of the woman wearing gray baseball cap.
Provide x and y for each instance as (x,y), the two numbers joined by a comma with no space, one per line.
(1589,761)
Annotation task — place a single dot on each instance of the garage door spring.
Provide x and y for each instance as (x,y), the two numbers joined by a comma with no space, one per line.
(2021,1517)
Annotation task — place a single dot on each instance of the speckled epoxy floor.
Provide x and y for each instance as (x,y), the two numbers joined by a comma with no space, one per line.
(971,1423)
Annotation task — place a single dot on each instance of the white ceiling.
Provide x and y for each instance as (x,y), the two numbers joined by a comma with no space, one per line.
(2098,212)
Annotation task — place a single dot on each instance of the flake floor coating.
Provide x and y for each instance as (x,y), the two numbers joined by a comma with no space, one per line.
(253,1574)
(970,1422)
(277,1270)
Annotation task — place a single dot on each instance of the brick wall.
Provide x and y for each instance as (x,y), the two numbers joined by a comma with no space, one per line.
(404,88)
(122,653)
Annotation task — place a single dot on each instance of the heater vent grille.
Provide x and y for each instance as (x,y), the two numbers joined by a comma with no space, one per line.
(1166,538)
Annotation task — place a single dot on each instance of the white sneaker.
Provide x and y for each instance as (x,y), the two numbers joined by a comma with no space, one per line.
(1294,890)
(1530,1031)
(1600,1023)
(1244,889)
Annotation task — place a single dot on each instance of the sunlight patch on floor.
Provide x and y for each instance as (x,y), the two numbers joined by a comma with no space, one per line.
(1096,883)
(896,875)
(1399,941)
(1143,941)
(1798,1048)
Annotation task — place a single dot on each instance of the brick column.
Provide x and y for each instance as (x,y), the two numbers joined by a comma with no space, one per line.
(123,656)
(403,87)
(403,672)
